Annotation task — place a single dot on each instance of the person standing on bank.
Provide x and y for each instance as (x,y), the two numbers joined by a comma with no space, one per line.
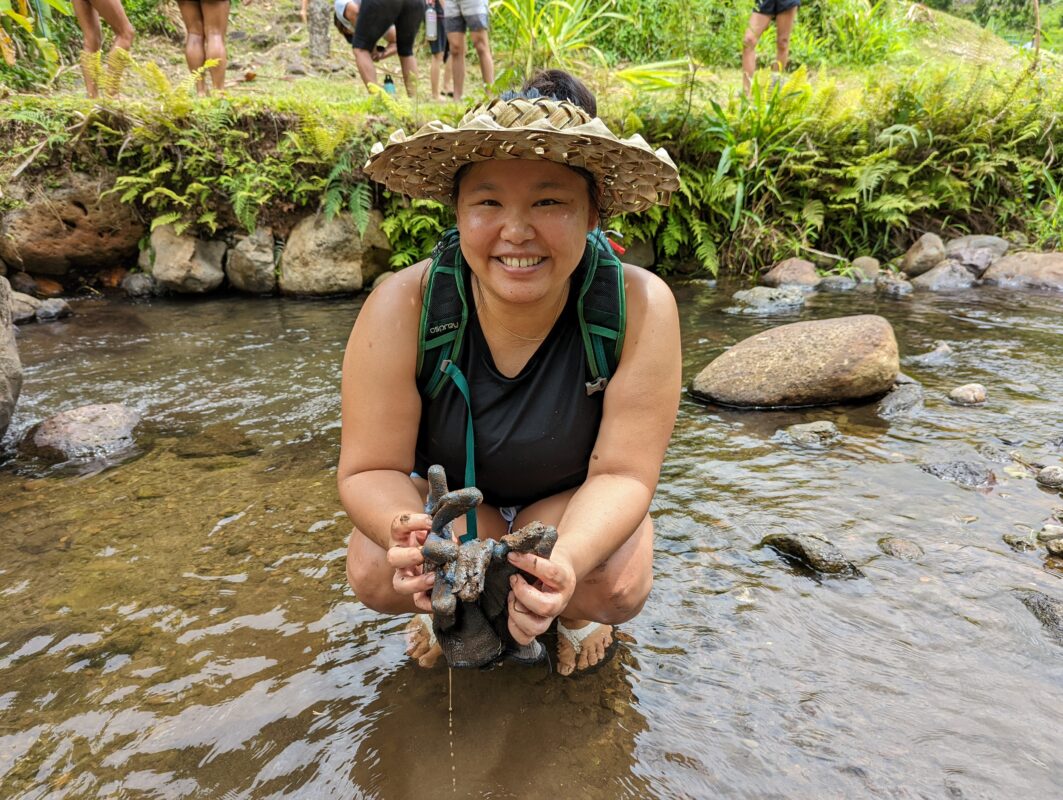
(89,13)
(206,23)
(471,16)
(345,18)
(784,12)
(569,420)
(374,19)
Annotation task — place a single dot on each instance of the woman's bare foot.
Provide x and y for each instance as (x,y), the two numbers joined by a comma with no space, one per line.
(421,643)
(581,644)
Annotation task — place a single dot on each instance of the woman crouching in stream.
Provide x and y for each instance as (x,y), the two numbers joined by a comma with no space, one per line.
(572,399)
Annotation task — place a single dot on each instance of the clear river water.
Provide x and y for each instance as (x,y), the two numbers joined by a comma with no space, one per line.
(177,623)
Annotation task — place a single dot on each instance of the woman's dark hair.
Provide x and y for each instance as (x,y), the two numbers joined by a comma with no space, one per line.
(560,85)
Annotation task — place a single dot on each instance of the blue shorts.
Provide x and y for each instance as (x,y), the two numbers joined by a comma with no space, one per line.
(772,8)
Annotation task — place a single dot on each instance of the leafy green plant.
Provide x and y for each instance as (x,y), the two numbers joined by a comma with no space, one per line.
(413,227)
(28,51)
(554,33)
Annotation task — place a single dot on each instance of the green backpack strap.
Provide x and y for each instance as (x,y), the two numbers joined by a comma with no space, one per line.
(444,314)
(602,308)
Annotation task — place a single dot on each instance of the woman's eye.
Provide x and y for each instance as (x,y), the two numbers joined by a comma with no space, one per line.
(488,203)
(549,201)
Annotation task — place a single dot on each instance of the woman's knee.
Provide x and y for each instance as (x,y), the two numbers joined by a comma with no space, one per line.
(749,41)
(626,599)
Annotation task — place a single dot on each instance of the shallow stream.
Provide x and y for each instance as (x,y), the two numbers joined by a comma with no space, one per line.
(178,624)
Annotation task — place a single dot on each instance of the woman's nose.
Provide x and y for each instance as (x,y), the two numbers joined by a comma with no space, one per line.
(516,229)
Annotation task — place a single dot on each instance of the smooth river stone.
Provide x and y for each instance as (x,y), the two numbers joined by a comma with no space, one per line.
(813,552)
(970,394)
(792,272)
(1027,271)
(1051,477)
(804,364)
(82,432)
(927,252)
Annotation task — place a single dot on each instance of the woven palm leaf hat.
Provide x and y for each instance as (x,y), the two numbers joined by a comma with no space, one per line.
(631,175)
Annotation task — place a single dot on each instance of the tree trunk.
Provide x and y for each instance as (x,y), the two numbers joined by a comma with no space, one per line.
(317,24)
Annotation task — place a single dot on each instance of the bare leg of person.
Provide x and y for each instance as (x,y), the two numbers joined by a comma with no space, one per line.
(89,22)
(435,69)
(457,58)
(215,26)
(409,74)
(758,23)
(363,59)
(194,54)
(114,15)
(483,52)
(784,25)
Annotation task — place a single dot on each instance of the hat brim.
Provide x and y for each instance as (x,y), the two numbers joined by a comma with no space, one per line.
(631,175)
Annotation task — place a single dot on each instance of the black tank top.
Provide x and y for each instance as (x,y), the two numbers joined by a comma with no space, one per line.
(534,432)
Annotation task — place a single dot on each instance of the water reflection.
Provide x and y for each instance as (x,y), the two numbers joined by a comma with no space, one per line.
(179,625)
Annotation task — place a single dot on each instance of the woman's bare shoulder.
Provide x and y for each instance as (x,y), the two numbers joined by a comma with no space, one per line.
(647,293)
(400,294)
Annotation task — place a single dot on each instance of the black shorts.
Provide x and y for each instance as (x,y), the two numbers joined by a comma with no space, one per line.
(772,8)
(376,16)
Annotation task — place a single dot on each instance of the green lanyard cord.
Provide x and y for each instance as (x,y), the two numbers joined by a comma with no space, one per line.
(451,369)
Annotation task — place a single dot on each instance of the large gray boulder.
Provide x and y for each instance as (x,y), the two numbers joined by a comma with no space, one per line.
(927,252)
(947,276)
(976,252)
(804,364)
(83,432)
(327,256)
(249,265)
(792,272)
(183,263)
(10,366)
(1027,271)
(71,226)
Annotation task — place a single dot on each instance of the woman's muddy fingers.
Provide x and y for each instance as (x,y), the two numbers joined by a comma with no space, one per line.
(409,529)
(524,625)
(406,582)
(405,557)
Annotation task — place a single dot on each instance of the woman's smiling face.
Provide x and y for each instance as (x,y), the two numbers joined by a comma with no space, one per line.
(523,226)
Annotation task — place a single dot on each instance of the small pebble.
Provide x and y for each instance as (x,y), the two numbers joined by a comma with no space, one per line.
(1051,476)
(1018,542)
(1050,533)
(970,394)
(1055,547)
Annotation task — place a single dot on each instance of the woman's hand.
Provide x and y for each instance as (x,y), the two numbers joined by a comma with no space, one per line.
(408,532)
(533,607)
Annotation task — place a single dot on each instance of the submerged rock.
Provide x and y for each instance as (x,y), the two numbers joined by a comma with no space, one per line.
(804,364)
(965,473)
(890,285)
(792,272)
(900,548)
(10,365)
(836,283)
(139,284)
(1019,543)
(1027,271)
(939,356)
(927,252)
(945,277)
(53,309)
(1051,477)
(1048,611)
(814,434)
(903,400)
(83,432)
(767,300)
(23,307)
(813,552)
(970,394)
